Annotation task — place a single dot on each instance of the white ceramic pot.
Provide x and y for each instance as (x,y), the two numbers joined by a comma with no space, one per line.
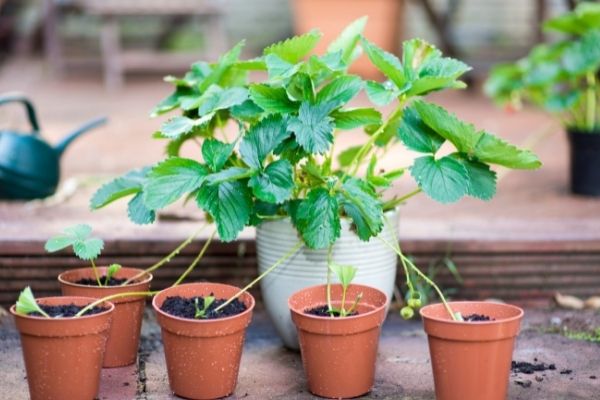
(375,261)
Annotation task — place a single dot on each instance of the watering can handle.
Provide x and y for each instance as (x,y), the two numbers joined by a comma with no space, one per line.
(19,98)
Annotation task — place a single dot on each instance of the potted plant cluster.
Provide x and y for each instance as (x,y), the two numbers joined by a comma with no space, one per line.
(562,78)
(268,159)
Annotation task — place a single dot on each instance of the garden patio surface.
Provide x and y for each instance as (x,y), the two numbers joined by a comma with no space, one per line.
(268,371)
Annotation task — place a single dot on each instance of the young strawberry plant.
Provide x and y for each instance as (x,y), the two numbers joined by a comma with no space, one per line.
(345,274)
(272,148)
(84,246)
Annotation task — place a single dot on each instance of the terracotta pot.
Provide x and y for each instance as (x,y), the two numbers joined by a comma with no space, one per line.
(471,360)
(384,26)
(63,356)
(339,353)
(203,356)
(124,338)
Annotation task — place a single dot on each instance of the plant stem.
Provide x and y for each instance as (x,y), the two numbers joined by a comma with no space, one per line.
(364,150)
(112,296)
(395,202)
(342,309)
(196,260)
(329,260)
(406,260)
(265,273)
(591,101)
(167,258)
(96,273)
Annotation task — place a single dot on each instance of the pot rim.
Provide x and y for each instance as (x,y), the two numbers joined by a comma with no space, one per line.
(333,320)
(203,321)
(111,307)
(520,314)
(61,279)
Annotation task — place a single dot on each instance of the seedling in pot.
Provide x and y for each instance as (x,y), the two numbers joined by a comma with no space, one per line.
(345,274)
(206,302)
(85,247)
(28,305)
(110,272)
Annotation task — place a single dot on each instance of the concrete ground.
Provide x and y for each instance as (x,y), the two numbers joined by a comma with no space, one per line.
(268,371)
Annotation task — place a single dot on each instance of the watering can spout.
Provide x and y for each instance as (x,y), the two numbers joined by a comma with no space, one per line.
(66,141)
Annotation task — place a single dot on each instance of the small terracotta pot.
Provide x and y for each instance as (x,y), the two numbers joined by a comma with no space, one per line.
(124,338)
(203,356)
(63,356)
(339,353)
(471,360)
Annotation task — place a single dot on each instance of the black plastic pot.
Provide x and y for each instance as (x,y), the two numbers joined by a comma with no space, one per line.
(585,162)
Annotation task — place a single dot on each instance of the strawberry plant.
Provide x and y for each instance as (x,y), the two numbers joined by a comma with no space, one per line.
(560,77)
(272,148)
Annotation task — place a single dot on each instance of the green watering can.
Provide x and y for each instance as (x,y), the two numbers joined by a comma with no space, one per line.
(29,166)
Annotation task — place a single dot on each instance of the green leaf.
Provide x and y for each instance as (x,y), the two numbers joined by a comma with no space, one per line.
(70,236)
(215,99)
(462,135)
(88,249)
(226,61)
(444,180)
(229,204)
(275,184)
(437,74)
(262,139)
(345,273)
(228,175)
(416,135)
(272,99)
(317,219)
(363,207)
(216,153)
(280,69)
(347,41)
(128,184)
(301,87)
(583,55)
(385,62)
(353,118)
(111,271)
(295,48)
(248,111)
(482,180)
(171,179)
(415,52)
(137,211)
(380,94)
(493,150)
(178,126)
(583,19)
(313,127)
(340,90)
(26,304)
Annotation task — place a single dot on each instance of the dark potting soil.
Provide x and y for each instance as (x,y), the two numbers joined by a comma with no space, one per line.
(323,311)
(66,311)
(525,367)
(93,282)
(186,308)
(477,318)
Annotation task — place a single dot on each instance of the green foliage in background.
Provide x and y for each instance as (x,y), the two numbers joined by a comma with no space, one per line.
(560,77)
(280,161)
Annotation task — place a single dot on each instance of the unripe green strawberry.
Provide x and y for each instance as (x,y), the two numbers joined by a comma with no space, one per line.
(407,312)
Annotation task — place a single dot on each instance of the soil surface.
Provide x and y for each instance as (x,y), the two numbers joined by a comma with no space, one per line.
(323,311)
(66,311)
(93,282)
(477,318)
(186,307)
(524,367)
